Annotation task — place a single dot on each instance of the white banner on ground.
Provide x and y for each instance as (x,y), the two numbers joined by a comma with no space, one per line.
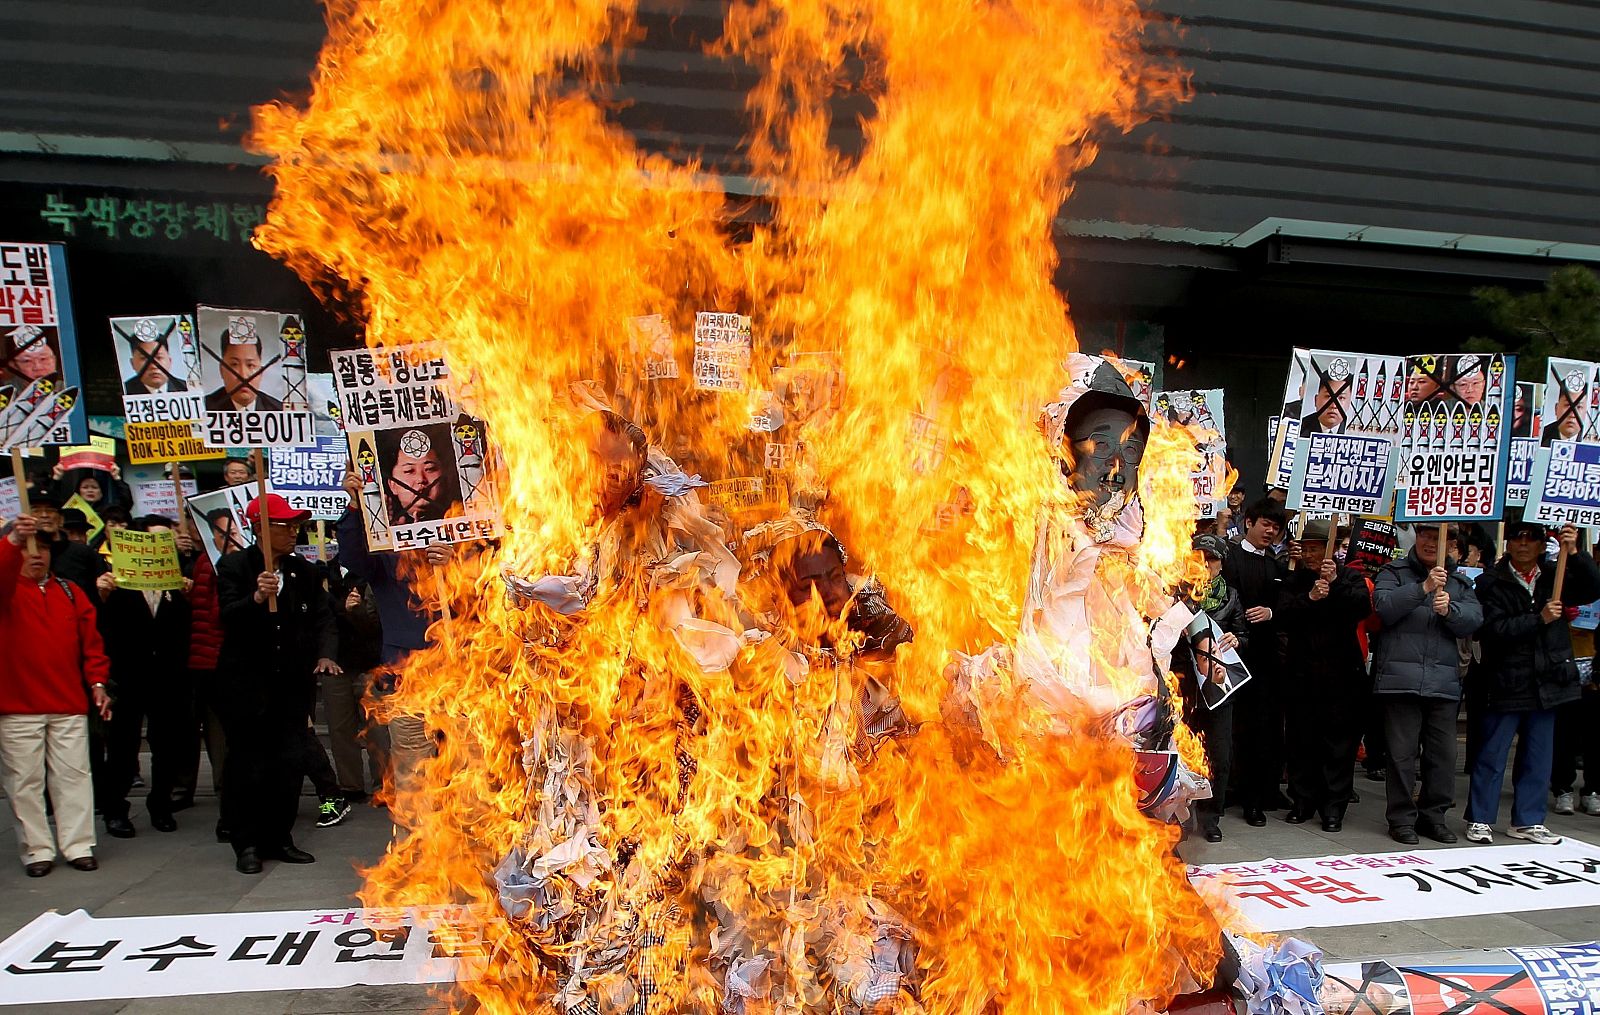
(225,953)
(1345,891)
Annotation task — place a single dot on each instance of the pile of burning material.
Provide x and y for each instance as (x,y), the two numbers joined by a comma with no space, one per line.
(806,677)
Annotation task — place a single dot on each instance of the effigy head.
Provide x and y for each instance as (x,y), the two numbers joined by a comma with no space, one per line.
(1099,429)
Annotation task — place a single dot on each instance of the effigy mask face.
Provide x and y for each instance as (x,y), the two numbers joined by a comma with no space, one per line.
(1103,449)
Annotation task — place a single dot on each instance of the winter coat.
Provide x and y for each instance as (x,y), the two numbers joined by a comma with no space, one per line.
(360,636)
(50,649)
(1229,616)
(1416,651)
(1528,664)
(1324,644)
(400,611)
(1258,580)
(205,626)
(146,649)
(265,668)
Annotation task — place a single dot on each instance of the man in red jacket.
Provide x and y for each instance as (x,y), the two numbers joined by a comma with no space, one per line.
(53,668)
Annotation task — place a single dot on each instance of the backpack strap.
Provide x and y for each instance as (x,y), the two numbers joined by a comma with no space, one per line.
(66,586)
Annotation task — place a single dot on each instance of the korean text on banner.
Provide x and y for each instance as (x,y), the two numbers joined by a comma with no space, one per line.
(1344,473)
(721,351)
(1565,487)
(311,479)
(1455,444)
(1345,891)
(1201,410)
(146,561)
(40,391)
(153,493)
(158,443)
(100,453)
(253,370)
(158,361)
(1282,436)
(423,460)
(1374,542)
(225,953)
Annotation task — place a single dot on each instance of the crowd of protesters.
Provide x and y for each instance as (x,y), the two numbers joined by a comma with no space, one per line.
(232,661)
(1348,664)
(1374,660)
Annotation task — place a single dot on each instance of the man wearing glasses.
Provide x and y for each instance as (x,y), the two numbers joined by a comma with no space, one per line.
(268,677)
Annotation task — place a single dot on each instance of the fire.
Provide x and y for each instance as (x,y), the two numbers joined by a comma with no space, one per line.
(455,178)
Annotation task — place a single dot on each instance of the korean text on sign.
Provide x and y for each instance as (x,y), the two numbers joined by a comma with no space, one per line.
(721,351)
(1342,472)
(1565,488)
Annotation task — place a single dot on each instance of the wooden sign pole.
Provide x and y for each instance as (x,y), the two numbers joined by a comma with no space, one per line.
(21,474)
(263,525)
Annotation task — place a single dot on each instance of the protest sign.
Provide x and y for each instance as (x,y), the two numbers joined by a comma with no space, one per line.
(1345,891)
(253,370)
(1571,404)
(1201,411)
(219,518)
(145,561)
(650,340)
(156,443)
(1374,542)
(154,494)
(1286,429)
(1455,443)
(39,384)
(96,523)
(1351,392)
(325,405)
(1343,472)
(225,953)
(311,479)
(721,351)
(1565,486)
(158,359)
(1527,413)
(423,460)
(100,453)
(1218,672)
(10,499)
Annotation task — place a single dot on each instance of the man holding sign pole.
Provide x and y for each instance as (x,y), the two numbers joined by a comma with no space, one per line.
(1425,606)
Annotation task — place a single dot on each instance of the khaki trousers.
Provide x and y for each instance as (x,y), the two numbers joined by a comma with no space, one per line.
(48,752)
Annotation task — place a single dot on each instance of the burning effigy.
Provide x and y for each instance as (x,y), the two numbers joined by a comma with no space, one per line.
(804,676)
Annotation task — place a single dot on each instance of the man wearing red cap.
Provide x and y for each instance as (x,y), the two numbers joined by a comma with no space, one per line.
(267,676)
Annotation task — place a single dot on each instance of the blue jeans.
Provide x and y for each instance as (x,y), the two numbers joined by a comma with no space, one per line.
(1535,732)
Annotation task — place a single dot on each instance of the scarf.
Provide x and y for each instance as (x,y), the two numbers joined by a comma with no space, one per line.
(1215,595)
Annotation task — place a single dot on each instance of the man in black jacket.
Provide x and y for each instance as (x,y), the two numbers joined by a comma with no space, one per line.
(267,671)
(1255,573)
(1326,691)
(1527,672)
(147,640)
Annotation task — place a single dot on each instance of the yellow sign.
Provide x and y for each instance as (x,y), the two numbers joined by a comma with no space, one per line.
(149,443)
(96,523)
(145,561)
(100,453)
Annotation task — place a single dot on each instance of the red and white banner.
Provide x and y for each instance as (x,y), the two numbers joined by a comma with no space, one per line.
(1344,891)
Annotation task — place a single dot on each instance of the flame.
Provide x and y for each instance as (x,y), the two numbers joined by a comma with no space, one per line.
(454,177)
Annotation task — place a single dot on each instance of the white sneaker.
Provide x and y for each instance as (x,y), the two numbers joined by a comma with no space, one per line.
(1563,803)
(1591,804)
(1480,832)
(1535,833)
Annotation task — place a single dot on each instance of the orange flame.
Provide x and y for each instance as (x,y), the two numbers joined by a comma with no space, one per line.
(456,172)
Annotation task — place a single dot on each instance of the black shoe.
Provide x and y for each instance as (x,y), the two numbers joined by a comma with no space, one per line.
(40,868)
(1333,824)
(294,854)
(1213,833)
(1405,835)
(163,823)
(1254,817)
(1299,815)
(1437,832)
(119,828)
(248,862)
(88,863)
(1377,774)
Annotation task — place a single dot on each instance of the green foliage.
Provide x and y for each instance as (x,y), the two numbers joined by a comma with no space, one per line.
(1562,321)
